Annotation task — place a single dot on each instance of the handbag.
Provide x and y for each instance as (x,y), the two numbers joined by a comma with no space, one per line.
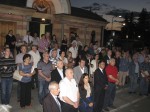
(17,76)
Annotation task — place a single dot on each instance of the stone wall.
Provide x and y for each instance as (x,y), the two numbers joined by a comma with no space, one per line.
(84,27)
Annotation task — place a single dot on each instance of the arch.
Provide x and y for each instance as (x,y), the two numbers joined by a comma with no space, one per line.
(61,6)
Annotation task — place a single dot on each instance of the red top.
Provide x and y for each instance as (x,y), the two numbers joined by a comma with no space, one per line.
(111,70)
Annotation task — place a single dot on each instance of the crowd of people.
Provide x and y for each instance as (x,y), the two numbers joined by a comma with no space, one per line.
(70,78)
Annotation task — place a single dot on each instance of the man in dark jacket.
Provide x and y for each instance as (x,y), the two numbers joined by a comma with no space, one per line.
(11,40)
(51,102)
(100,86)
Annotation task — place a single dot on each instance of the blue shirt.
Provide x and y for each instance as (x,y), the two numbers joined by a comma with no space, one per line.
(25,69)
(124,65)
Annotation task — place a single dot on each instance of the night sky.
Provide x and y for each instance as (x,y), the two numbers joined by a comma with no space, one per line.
(132,5)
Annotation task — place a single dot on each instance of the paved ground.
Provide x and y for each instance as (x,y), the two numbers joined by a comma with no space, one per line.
(141,106)
(123,101)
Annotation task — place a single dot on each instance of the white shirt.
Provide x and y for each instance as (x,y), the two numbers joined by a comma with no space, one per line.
(36,57)
(101,70)
(93,68)
(74,51)
(25,38)
(61,73)
(68,89)
(65,60)
(82,70)
(36,41)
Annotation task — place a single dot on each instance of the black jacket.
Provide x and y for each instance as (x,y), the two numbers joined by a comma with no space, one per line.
(100,80)
(55,76)
(83,93)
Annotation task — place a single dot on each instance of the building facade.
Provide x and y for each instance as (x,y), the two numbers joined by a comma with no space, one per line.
(55,16)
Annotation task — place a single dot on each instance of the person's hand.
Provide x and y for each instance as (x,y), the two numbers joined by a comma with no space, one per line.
(28,75)
(120,84)
(117,82)
(106,87)
(90,104)
(76,105)
(5,67)
(48,79)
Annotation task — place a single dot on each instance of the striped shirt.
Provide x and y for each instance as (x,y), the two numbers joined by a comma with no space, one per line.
(7,67)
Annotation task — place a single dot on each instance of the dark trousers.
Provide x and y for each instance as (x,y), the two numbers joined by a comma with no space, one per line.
(110,95)
(35,78)
(18,90)
(25,94)
(68,108)
(144,86)
(99,96)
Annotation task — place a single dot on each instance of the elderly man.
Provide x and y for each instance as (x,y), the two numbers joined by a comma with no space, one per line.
(112,74)
(53,58)
(51,102)
(44,76)
(69,92)
(58,74)
(79,70)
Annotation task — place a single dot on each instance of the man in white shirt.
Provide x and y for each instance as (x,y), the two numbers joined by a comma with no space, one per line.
(28,39)
(36,58)
(51,102)
(69,92)
(74,49)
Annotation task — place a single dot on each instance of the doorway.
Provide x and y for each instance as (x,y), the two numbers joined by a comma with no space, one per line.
(5,26)
(40,26)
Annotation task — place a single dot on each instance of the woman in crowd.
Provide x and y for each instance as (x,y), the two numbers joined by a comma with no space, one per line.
(63,58)
(53,41)
(94,64)
(70,60)
(25,70)
(7,67)
(64,44)
(85,89)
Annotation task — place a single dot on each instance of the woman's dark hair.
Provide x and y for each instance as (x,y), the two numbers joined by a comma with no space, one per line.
(26,56)
(60,52)
(85,46)
(81,82)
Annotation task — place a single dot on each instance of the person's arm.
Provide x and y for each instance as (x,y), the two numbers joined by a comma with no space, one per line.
(39,67)
(43,76)
(108,72)
(67,100)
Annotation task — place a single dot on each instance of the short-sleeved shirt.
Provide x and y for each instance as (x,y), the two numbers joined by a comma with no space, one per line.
(111,70)
(68,89)
(25,69)
(19,58)
(46,69)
